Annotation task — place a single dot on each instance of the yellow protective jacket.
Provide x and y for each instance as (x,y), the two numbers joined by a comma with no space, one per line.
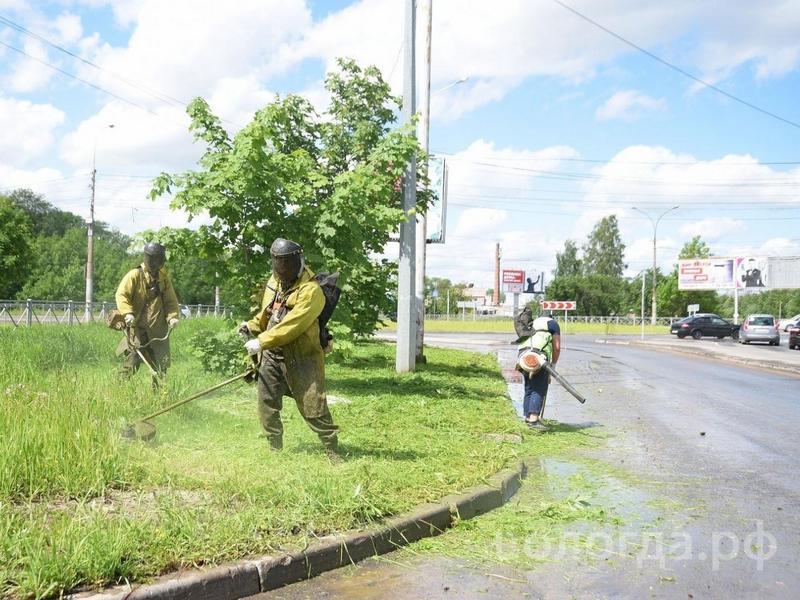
(151,315)
(297,335)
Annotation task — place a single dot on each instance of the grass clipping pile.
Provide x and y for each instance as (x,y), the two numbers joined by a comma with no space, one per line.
(81,508)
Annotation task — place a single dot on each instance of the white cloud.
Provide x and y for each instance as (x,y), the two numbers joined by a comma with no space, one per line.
(26,129)
(183,48)
(629,105)
(27,74)
(713,229)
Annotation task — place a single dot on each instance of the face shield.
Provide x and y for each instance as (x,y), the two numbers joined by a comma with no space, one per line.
(155,255)
(287,261)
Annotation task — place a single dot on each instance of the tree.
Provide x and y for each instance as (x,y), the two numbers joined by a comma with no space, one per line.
(46,219)
(15,247)
(567,262)
(604,252)
(329,183)
(671,300)
(594,294)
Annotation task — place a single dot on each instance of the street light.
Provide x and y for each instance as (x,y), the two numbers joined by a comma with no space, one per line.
(655,232)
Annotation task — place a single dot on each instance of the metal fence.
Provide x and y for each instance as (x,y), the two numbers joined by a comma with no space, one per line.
(616,320)
(67,312)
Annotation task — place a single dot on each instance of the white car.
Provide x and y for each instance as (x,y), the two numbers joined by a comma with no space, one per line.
(786,324)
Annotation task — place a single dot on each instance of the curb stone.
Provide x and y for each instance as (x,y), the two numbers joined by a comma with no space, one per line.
(251,577)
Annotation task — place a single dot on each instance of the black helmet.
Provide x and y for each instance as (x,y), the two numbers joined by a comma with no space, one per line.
(287,260)
(155,255)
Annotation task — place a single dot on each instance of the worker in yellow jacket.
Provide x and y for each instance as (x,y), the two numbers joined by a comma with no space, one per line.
(288,337)
(147,300)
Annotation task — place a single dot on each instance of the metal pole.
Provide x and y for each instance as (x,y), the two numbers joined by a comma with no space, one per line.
(90,246)
(643,274)
(406,309)
(426,8)
(736,306)
(655,237)
(448,304)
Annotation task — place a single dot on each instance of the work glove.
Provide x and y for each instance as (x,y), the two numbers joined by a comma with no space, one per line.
(173,323)
(129,320)
(244,330)
(252,346)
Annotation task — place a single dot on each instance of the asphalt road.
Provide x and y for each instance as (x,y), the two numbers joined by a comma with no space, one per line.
(711,454)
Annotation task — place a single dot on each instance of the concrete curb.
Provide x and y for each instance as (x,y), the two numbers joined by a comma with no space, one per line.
(254,576)
(707,353)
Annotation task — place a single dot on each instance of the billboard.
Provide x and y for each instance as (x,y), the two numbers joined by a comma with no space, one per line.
(436,217)
(740,272)
(513,281)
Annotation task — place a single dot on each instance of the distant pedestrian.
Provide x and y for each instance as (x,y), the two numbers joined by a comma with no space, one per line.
(146,299)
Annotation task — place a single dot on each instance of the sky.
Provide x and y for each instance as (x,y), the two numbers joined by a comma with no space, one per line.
(547,122)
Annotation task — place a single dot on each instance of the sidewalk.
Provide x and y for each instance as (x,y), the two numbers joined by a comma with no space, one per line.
(760,356)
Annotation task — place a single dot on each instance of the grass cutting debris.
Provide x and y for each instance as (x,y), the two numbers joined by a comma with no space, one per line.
(81,507)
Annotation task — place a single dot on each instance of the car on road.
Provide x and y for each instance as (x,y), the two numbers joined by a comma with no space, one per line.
(787,324)
(760,328)
(794,337)
(705,325)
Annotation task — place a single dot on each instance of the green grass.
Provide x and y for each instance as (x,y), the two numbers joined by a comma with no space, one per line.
(81,508)
(507,326)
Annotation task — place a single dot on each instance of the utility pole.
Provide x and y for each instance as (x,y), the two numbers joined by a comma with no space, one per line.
(426,7)
(406,297)
(496,294)
(87,315)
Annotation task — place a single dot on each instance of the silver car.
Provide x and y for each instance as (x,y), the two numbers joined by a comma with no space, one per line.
(760,328)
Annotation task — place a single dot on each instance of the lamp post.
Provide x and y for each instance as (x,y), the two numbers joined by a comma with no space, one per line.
(655,233)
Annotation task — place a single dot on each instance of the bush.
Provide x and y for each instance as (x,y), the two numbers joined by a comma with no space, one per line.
(220,352)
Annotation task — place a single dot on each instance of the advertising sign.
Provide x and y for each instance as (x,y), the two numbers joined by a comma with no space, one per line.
(741,272)
(436,217)
(513,281)
(706,274)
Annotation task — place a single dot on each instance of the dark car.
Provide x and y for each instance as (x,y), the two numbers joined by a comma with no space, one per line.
(794,337)
(705,324)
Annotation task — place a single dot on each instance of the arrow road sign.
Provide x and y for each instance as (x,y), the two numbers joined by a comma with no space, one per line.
(558,304)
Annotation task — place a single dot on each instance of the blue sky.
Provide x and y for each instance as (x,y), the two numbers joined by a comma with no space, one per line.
(557,124)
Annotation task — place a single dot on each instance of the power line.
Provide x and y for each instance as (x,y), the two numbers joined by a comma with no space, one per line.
(73,76)
(138,86)
(676,68)
(716,163)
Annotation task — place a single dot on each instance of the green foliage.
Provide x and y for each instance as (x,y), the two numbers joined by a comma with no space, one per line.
(221,352)
(604,252)
(47,219)
(328,183)
(15,248)
(567,262)
(595,294)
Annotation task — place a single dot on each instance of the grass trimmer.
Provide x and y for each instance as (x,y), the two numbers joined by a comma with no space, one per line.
(143,429)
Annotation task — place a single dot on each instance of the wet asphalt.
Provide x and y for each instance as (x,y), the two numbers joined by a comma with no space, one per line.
(710,455)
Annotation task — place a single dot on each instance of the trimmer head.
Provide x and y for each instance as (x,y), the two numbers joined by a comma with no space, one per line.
(140,430)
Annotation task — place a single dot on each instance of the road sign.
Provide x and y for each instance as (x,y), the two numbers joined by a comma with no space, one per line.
(467,304)
(693,308)
(558,304)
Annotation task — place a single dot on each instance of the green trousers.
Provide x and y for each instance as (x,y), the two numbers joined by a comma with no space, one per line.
(156,353)
(272,386)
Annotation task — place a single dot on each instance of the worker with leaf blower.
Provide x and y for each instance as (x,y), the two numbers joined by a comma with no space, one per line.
(545,336)
(288,336)
(147,301)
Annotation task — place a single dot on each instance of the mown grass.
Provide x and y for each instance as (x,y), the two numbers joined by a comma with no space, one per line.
(81,507)
(507,326)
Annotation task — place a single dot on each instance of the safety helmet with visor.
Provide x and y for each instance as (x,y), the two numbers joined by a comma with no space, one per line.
(287,261)
(155,255)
